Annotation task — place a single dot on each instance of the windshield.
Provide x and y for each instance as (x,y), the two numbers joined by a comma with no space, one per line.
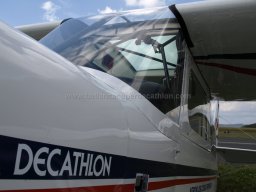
(142,48)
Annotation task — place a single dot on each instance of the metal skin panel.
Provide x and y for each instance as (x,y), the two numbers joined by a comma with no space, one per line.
(143,141)
(47,105)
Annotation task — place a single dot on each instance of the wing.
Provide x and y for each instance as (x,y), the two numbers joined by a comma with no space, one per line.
(221,38)
(38,31)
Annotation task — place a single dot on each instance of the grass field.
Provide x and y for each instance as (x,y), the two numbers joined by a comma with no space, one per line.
(237,178)
(243,133)
(233,177)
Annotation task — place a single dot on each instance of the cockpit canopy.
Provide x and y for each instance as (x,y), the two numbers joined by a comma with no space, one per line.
(143,48)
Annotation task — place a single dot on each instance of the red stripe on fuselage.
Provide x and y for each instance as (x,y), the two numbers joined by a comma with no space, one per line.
(241,70)
(117,188)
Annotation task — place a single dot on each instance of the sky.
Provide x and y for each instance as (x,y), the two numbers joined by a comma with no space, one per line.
(237,112)
(17,12)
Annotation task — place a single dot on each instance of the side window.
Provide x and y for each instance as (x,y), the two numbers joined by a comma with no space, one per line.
(146,54)
(142,65)
(150,74)
(198,108)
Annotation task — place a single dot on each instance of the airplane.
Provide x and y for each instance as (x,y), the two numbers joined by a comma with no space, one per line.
(124,101)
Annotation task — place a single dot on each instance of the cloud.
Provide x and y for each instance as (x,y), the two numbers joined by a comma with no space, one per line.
(237,112)
(50,11)
(107,10)
(231,106)
(145,3)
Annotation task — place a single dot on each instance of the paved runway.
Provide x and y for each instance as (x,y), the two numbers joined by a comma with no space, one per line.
(237,143)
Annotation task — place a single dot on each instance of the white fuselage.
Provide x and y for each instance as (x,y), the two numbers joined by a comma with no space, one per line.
(68,127)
